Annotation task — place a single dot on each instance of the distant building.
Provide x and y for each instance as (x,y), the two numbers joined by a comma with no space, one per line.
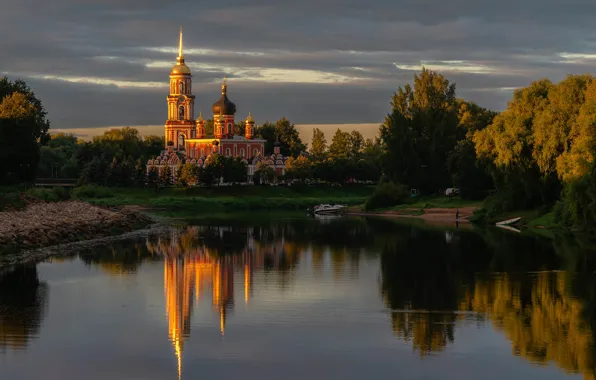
(186,137)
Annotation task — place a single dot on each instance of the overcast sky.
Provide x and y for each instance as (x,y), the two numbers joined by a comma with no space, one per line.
(99,63)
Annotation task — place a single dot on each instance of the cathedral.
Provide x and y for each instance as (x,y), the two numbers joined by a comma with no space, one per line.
(186,139)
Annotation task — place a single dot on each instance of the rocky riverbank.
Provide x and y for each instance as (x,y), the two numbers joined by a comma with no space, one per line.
(48,224)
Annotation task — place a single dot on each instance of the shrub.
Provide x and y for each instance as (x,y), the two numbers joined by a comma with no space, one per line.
(55,194)
(11,201)
(92,191)
(387,194)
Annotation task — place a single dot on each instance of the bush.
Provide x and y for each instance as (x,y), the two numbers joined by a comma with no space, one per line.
(11,201)
(55,194)
(387,194)
(92,191)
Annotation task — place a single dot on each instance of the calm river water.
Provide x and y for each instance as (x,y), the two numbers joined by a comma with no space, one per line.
(295,298)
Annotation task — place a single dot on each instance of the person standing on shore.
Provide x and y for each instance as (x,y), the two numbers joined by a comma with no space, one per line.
(457,214)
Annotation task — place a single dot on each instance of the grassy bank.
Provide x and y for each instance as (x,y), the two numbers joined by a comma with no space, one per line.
(215,199)
(238,198)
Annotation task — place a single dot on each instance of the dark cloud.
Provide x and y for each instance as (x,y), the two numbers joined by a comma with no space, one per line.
(115,48)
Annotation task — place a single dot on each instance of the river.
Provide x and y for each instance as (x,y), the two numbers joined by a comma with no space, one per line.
(295,297)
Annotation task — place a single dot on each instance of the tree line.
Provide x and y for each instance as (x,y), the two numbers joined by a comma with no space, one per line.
(536,154)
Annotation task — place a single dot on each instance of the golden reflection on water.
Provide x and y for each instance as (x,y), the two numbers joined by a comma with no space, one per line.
(190,268)
(537,315)
(540,313)
(535,312)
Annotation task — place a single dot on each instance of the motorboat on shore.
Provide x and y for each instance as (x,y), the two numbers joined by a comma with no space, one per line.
(327,209)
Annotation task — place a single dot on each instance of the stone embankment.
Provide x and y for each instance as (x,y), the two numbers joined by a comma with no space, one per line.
(48,224)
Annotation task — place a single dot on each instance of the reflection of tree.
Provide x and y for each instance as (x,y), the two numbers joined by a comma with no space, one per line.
(118,258)
(23,301)
(548,316)
(427,331)
(421,284)
(539,316)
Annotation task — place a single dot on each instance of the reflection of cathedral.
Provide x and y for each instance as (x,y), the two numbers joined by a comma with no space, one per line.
(189,271)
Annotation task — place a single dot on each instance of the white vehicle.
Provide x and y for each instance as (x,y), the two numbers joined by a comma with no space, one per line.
(325,209)
(451,191)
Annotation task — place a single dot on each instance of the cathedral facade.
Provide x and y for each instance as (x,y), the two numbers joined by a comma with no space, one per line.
(186,138)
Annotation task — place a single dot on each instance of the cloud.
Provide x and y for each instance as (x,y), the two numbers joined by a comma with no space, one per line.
(98,63)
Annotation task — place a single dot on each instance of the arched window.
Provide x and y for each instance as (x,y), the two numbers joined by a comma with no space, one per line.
(181,113)
(181,87)
(202,152)
(228,153)
(242,152)
(230,128)
(255,152)
(181,141)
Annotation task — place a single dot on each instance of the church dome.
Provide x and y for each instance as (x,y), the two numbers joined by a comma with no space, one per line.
(180,69)
(250,119)
(224,106)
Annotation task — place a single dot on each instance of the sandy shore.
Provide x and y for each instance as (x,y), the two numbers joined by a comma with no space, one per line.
(431,215)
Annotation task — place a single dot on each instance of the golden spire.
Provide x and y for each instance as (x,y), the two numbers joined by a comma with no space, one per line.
(250,119)
(224,86)
(180,46)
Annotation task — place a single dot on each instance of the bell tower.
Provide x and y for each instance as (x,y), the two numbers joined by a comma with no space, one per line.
(180,123)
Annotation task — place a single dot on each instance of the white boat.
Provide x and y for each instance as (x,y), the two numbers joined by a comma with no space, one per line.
(509,222)
(325,209)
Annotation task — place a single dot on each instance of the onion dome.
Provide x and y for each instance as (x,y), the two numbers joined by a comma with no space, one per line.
(249,119)
(277,143)
(200,119)
(224,106)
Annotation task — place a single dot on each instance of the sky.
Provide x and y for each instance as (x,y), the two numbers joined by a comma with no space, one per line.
(104,63)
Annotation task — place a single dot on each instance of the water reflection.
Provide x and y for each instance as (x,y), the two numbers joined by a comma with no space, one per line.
(23,301)
(539,295)
(433,285)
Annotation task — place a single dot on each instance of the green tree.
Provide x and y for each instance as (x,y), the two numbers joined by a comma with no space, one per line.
(178,181)
(299,168)
(165,176)
(120,142)
(508,143)
(153,177)
(469,174)
(341,144)
(356,143)
(240,128)
(140,174)
(286,132)
(114,173)
(152,146)
(420,132)
(318,146)
(95,172)
(40,125)
(190,174)
(266,173)
(23,130)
